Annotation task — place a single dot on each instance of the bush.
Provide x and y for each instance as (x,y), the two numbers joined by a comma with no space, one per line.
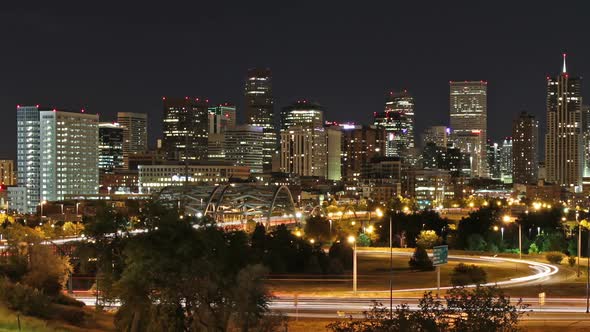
(464,274)
(420,260)
(66,300)
(427,239)
(571,261)
(554,257)
(476,242)
(533,249)
(23,298)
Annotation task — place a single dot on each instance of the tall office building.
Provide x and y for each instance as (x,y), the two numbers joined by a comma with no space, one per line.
(493,160)
(186,125)
(585,110)
(303,151)
(506,165)
(7,173)
(468,111)
(525,145)
(111,140)
(398,121)
(564,148)
(439,135)
(222,117)
(302,113)
(334,152)
(69,154)
(135,137)
(360,144)
(243,147)
(260,111)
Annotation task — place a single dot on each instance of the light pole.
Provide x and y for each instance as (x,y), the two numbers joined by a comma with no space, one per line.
(390,267)
(588,277)
(77,204)
(506,218)
(579,241)
(352,240)
(42,203)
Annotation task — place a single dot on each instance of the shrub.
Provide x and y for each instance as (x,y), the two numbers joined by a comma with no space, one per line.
(533,249)
(571,261)
(464,274)
(420,260)
(554,257)
(66,300)
(23,298)
(427,239)
(475,242)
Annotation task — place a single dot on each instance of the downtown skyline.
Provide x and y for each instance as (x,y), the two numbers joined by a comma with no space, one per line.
(350,76)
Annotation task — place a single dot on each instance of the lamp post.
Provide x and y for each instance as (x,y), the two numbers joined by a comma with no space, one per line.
(579,241)
(77,205)
(506,218)
(390,267)
(352,240)
(42,203)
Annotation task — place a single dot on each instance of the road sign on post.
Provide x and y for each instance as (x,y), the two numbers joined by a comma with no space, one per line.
(440,256)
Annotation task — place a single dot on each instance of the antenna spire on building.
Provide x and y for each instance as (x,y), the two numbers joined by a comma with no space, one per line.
(564,69)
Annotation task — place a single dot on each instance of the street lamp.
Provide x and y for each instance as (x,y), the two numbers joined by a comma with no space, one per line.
(352,240)
(506,218)
(77,204)
(42,203)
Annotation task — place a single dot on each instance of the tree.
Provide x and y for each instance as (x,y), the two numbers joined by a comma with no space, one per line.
(420,260)
(47,272)
(428,239)
(317,228)
(463,309)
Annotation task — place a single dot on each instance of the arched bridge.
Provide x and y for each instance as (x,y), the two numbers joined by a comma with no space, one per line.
(234,203)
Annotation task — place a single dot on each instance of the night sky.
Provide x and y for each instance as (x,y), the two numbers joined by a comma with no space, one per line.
(109,59)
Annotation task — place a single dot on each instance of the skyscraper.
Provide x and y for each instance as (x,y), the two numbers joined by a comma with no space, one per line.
(360,144)
(243,147)
(303,151)
(260,110)
(564,148)
(334,152)
(29,155)
(493,158)
(302,113)
(111,141)
(506,160)
(468,110)
(185,124)
(221,118)
(135,137)
(439,135)
(525,136)
(69,154)
(398,121)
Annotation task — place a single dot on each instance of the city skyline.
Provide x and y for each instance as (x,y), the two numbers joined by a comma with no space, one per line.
(351,94)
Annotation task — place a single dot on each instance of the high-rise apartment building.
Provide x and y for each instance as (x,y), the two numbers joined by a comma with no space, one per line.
(135,137)
(398,121)
(7,173)
(525,145)
(360,144)
(439,135)
(564,146)
(260,111)
(111,140)
(243,147)
(28,156)
(69,154)
(468,111)
(185,125)
(493,160)
(221,118)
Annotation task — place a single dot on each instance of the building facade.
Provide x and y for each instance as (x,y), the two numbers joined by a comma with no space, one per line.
(111,140)
(360,144)
(303,151)
(439,135)
(221,118)
(28,157)
(185,128)
(135,137)
(468,111)
(302,113)
(155,177)
(398,121)
(244,147)
(525,146)
(334,153)
(7,173)
(564,147)
(260,110)
(506,165)
(69,154)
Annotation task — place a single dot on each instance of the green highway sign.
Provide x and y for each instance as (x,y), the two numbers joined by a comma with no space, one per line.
(440,255)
